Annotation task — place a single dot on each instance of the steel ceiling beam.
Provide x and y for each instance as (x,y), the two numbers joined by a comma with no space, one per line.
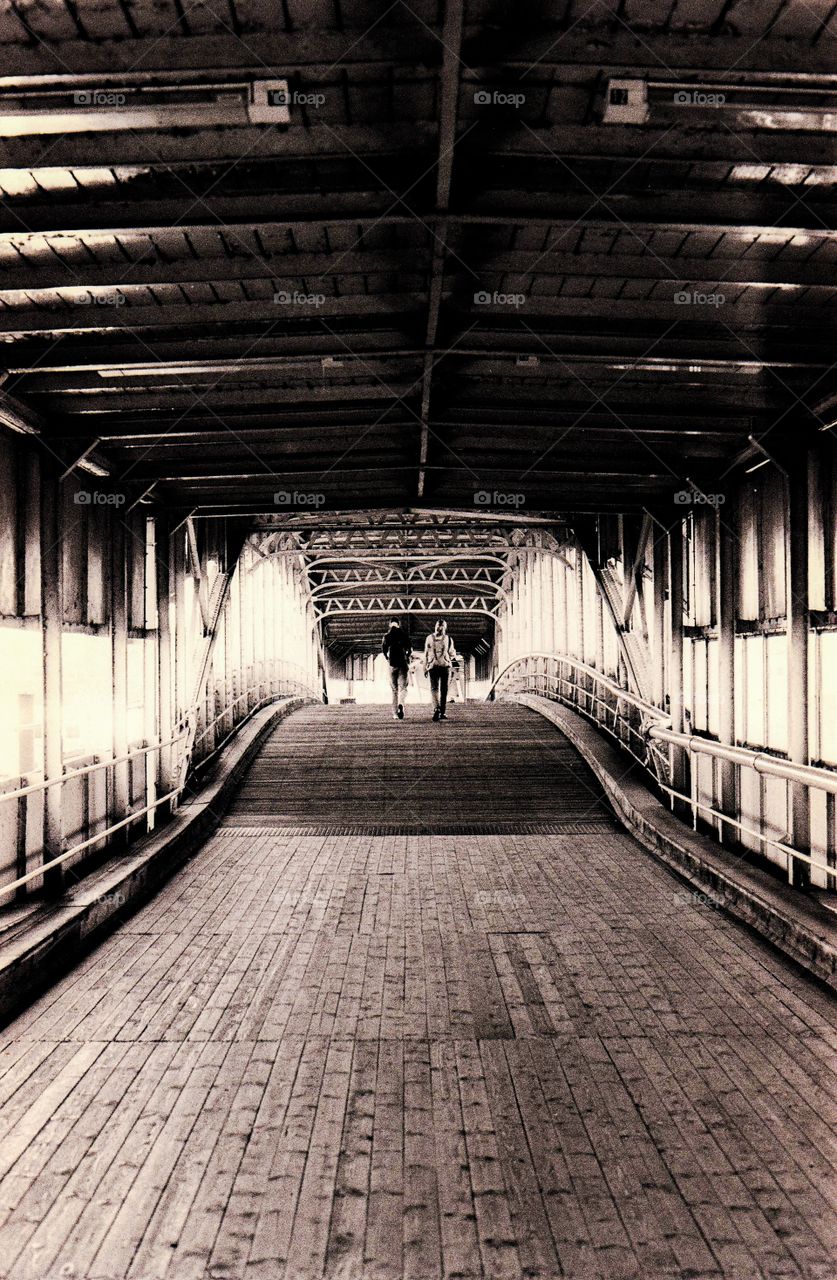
(51,275)
(449,93)
(549,48)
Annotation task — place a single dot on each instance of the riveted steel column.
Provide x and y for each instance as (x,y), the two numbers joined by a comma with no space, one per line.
(727,599)
(120,799)
(797,639)
(680,766)
(165,703)
(181,630)
(52,618)
(660,597)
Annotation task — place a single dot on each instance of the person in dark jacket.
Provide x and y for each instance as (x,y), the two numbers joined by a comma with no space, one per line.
(398,651)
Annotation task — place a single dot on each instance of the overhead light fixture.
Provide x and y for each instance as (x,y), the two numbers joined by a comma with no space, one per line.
(92,467)
(164,370)
(626,102)
(781,102)
(87,462)
(527,362)
(767,457)
(89,104)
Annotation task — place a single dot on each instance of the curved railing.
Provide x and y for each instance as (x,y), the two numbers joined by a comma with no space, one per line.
(622,715)
(87,792)
(645,732)
(223,710)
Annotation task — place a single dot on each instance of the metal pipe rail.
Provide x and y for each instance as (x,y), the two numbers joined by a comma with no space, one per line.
(69,774)
(760,761)
(300,686)
(621,714)
(637,725)
(21,881)
(280,681)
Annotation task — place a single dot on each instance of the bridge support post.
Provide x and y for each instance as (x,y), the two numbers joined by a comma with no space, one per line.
(165,724)
(52,618)
(181,638)
(121,786)
(726,605)
(797,640)
(660,597)
(680,764)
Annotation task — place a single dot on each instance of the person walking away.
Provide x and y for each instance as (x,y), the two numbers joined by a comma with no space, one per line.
(397,650)
(438,648)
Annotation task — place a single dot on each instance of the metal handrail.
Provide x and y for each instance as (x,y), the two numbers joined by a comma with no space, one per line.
(14,885)
(760,761)
(521,674)
(647,714)
(46,783)
(245,694)
(186,722)
(648,708)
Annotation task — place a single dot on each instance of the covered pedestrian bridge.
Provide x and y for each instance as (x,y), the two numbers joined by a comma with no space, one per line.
(519,316)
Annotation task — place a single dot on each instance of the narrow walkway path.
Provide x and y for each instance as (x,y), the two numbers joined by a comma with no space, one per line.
(375,1056)
(480,770)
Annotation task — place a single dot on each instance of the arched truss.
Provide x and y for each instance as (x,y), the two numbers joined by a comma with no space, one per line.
(369,566)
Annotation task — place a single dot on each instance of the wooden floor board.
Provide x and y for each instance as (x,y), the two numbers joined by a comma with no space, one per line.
(449,1052)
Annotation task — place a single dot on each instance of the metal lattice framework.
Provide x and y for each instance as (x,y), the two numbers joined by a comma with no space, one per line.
(363,569)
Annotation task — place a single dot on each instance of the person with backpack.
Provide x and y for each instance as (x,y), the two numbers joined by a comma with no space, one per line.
(438,661)
(397,649)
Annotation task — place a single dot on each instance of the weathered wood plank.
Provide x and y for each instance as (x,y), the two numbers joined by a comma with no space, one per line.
(422,1055)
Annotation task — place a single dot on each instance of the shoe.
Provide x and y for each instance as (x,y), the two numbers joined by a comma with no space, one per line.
(395,715)
(436,714)
(400,712)
(443,716)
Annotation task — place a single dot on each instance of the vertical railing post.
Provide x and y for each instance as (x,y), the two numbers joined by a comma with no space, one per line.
(680,761)
(726,605)
(797,642)
(165,699)
(562,606)
(20,842)
(181,636)
(52,618)
(658,694)
(121,785)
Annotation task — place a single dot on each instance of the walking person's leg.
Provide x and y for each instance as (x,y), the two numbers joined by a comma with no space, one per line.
(443,691)
(401,694)
(394,674)
(435,673)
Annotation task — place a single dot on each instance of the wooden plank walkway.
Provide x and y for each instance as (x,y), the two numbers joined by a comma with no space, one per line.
(356,767)
(461,1056)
